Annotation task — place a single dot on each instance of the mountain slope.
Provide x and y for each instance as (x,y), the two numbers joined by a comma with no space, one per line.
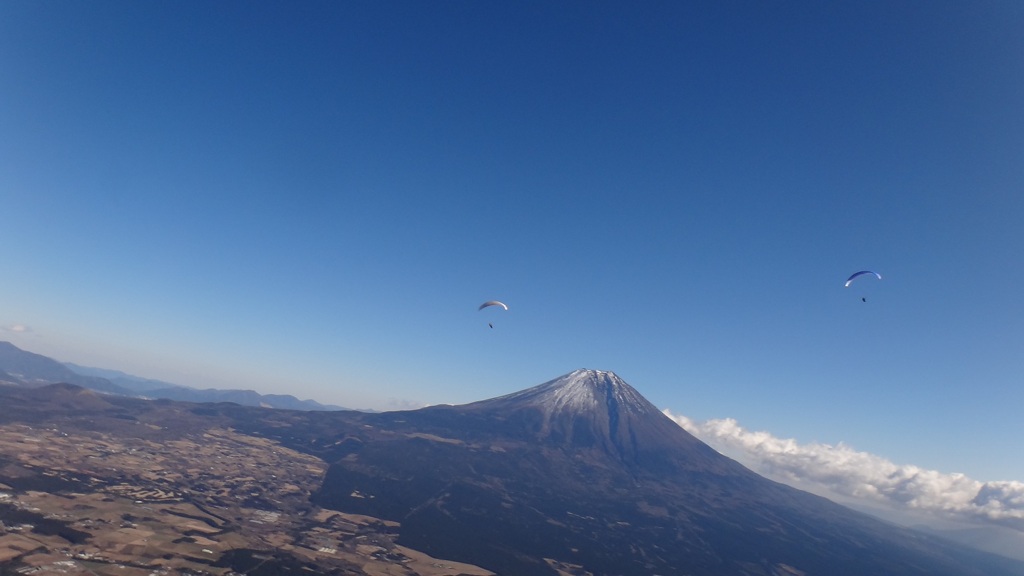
(29,369)
(126,381)
(23,368)
(584,471)
(243,397)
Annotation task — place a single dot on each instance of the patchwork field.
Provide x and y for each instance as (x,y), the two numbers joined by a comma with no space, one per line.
(139,500)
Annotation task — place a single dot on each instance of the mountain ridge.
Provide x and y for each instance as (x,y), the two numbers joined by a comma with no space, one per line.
(22,368)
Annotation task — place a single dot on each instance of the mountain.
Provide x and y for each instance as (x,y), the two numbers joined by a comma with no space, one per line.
(578,476)
(582,473)
(127,381)
(243,397)
(9,380)
(28,369)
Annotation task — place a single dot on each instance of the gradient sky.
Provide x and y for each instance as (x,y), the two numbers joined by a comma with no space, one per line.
(312,198)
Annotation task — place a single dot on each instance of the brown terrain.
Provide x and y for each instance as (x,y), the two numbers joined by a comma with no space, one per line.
(86,492)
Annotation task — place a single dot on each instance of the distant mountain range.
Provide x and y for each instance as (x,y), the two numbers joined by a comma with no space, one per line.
(22,368)
(123,380)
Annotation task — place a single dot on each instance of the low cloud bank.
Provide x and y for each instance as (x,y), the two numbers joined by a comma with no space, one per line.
(864,477)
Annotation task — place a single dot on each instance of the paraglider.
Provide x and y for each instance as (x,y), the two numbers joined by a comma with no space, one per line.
(856,275)
(490,303)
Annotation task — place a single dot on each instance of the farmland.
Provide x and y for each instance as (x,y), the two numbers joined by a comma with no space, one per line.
(137,498)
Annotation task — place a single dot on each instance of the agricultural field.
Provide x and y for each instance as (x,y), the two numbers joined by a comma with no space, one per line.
(140,499)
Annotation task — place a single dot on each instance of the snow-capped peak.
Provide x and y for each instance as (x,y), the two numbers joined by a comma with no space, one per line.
(591,409)
(582,391)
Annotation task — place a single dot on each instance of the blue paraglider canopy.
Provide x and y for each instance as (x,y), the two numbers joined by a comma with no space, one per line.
(856,275)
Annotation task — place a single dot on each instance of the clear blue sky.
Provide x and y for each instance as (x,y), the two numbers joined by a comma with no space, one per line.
(313,198)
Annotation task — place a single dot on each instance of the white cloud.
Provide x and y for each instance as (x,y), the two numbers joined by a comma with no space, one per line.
(874,480)
(17,328)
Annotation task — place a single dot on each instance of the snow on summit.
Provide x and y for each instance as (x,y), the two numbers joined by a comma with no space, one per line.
(580,392)
(596,410)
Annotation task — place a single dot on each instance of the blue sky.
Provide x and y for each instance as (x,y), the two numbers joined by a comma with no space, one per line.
(313,198)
